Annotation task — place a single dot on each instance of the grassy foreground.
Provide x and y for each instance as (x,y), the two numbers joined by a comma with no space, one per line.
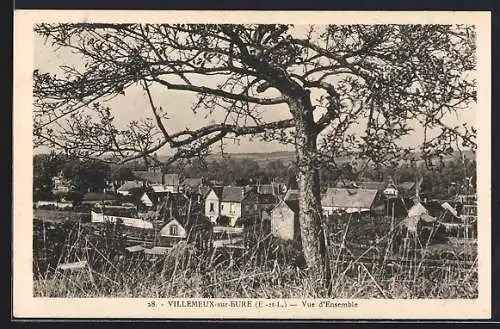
(270,269)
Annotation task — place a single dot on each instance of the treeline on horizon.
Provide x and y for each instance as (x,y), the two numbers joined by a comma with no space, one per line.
(93,175)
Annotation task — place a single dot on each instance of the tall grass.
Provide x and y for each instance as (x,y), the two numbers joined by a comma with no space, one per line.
(270,268)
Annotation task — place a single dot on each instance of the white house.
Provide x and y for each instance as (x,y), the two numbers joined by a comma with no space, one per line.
(285,220)
(158,181)
(171,183)
(172,232)
(239,202)
(146,200)
(173,229)
(213,203)
(233,202)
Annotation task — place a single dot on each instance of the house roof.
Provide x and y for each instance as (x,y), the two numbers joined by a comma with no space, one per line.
(97,196)
(417,209)
(129,185)
(157,250)
(370,185)
(268,198)
(171,179)
(149,196)
(235,193)
(292,204)
(204,190)
(406,185)
(153,177)
(159,189)
(266,189)
(135,248)
(170,221)
(349,198)
(292,195)
(411,222)
(218,190)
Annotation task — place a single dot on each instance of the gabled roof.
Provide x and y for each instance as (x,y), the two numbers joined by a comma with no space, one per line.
(152,177)
(267,189)
(204,190)
(234,193)
(349,198)
(268,198)
(292,195)
(417,209)
(157,188)
(149,196)
(171,179)
(217,190)
(170,221)
(370,185)
(129,185)
(406,187)
(292,204)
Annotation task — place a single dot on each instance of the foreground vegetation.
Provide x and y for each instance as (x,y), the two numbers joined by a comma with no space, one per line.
(269,269)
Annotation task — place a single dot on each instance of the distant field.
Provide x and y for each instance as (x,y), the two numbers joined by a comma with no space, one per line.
(59,216)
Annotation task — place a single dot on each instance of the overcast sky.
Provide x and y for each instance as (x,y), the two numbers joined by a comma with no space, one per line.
(134,105)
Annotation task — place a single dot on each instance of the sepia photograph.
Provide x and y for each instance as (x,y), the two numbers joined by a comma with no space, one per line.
(271,165)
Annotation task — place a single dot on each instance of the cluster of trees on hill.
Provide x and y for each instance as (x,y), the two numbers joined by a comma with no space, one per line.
(441,181)
(85,175)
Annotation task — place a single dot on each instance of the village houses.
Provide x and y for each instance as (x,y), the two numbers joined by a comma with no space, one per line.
(233,203)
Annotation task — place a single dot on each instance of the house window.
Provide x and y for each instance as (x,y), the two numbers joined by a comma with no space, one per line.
(211,206)
(173,230)
(222,207)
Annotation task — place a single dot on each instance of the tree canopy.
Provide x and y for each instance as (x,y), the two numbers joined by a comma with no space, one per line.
(380,76)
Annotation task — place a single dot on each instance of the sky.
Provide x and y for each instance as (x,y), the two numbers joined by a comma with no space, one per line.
(134,105)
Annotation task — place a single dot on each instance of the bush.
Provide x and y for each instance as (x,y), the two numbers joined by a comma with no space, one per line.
(223,221)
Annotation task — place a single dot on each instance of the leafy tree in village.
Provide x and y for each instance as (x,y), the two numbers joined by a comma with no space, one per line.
(46,166)
(90,175)
(350,90)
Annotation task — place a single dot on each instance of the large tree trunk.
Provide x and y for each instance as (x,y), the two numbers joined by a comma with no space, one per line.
(310,211)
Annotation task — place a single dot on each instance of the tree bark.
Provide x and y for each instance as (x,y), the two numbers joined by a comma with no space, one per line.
(310,211)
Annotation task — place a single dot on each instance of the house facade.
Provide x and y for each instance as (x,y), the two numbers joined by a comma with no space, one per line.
(213,203)
(171,183)
(239,202)
(172,232)
(158,181)
(147,200)
(60,184)
(285,220)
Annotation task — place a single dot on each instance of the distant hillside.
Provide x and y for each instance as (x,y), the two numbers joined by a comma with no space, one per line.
(288,157)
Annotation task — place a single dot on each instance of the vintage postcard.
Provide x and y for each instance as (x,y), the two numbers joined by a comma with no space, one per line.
(252,165)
